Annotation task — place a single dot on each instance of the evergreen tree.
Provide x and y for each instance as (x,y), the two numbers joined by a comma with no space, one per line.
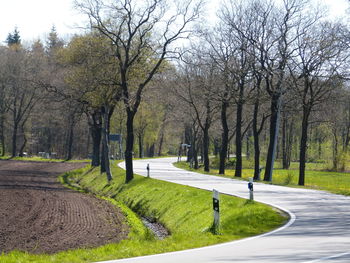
(53,41)
(13,38)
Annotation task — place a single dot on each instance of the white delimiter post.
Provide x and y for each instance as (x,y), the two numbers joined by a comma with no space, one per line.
(216,208)
(251,190)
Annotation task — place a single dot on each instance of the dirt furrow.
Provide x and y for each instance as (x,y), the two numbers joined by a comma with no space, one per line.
(39,215)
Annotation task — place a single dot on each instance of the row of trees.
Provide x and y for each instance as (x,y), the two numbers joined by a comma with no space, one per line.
(264,62)
(259,53)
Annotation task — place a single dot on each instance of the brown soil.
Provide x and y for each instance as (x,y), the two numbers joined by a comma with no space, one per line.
(39,215)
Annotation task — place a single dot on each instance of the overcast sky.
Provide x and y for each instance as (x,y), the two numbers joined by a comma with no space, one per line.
(34,18)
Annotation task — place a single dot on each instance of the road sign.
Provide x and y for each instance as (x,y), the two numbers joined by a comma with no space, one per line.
(115,137)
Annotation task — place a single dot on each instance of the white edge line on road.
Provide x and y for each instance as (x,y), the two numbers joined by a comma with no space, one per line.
(288,224)
(329,257)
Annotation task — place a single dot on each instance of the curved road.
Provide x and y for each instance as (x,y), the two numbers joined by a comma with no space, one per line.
(319,229)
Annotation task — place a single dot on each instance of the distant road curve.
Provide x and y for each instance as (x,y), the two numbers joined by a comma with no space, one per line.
(318,231)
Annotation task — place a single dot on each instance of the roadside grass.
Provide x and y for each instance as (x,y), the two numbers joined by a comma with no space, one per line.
(317,166)
(185,211)
(334,182)
(41,159)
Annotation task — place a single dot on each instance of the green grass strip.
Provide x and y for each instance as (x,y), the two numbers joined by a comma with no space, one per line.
(185,211)
(334,182)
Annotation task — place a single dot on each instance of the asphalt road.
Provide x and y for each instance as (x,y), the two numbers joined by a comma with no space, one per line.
(318,231)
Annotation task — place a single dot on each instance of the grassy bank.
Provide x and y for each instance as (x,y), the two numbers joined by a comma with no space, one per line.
(186,212)
(335,182)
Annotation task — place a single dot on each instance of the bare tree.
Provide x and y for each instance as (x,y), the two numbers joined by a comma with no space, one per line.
(198,87)
(319,55)
(22,67)
(141,34)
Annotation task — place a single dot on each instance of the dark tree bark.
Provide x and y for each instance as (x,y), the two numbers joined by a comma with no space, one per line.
(284,143)
(69,155)
(129,145)
(216,144)
(105,140)
(2,137)
(274,127)
(151,150)
(140,141)
(303,144)
(161,140)
(347,136)
(238,170)
(194,150)
(224,136)
(95,123)
(256,141)
(25,140)
(206,148)
(287,140)
(335,149)
(14,139)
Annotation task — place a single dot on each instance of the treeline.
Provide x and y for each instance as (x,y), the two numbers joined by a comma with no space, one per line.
(267,81)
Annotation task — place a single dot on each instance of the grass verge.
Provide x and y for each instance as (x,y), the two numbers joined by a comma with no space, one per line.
(334,182)
(185,211)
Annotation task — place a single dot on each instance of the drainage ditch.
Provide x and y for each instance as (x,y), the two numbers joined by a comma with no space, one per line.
(157,228)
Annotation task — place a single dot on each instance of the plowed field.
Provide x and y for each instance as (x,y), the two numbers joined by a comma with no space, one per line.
(39,215)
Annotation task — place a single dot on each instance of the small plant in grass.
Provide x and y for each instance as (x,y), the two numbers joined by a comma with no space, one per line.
(288,179)
(229,164)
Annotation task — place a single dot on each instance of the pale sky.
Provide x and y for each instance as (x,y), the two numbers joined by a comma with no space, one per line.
(34,18)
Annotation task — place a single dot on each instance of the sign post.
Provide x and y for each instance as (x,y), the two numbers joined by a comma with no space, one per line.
(117,138)
(250,187)
(148,170)
(216,208)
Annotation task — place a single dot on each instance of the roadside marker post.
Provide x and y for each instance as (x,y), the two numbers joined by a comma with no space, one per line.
(148,170)
(216,208)
(251,190)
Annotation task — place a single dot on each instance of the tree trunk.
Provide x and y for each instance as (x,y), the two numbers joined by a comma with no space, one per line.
(194,152)
(24,141)
(129,146)
(2,137)
(105,141)
(95,131)
(103,156)
(96,142)
(161,144)
(216,145)
(238,171)
(289,142)
(140,145)
(206,148)
(347,136)
(303,144)
(274,127)
(248,145)
(335,149)
(256,142)
(70,139)
(224,137)
(151,150)
(14,140)
(284,143)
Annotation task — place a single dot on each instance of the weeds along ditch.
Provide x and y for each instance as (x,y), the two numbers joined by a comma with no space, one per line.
(184,211)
